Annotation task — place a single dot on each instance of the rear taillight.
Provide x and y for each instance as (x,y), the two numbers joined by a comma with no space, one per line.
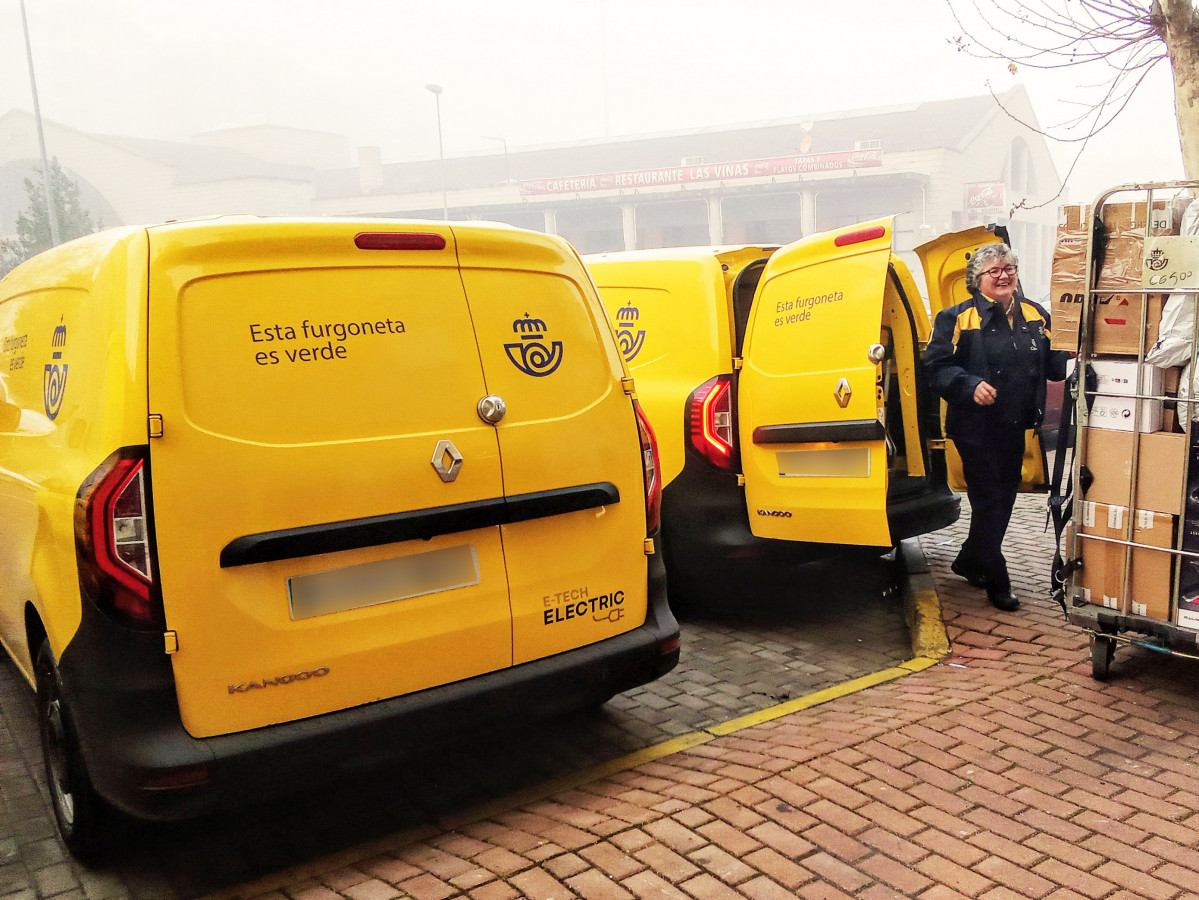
(113,539)
(710,420)
(652,470)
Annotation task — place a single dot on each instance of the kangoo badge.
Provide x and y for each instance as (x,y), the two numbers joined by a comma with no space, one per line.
(532,354)
(54,379)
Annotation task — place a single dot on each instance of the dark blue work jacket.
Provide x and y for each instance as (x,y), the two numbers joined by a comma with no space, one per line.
(972,342)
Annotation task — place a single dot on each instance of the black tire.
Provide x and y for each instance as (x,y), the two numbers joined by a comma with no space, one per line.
(1103,650)
(83,817)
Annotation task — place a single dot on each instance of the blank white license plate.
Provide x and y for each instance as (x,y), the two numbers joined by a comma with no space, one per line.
(385,581)
(850,462)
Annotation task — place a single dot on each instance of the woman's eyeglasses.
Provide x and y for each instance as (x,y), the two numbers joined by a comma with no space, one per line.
(1009,271)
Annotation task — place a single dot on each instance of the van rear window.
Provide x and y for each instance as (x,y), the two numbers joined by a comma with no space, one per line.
(303,356)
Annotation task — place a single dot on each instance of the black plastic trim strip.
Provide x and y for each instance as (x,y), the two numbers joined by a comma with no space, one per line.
(352,534)
(812,432)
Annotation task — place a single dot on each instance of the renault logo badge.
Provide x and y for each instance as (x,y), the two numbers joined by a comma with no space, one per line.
(447,461)
(843,392)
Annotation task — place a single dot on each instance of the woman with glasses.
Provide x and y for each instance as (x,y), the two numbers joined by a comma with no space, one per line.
(989,358)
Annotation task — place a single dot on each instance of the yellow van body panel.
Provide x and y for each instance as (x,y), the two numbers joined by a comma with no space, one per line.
(816,314)
(905,330)
(318,378)
(72,388)
(944,260)
(548,352)
(672,313)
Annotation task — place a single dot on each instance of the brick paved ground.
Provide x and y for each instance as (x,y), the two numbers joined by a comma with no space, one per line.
(1004,772)
(787,639)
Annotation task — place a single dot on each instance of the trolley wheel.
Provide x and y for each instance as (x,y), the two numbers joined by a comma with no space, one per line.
(1103,649)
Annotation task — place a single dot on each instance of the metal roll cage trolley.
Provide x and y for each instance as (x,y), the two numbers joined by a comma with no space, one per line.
(1110,627)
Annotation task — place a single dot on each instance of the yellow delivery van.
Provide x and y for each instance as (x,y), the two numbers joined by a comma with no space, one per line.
(277,494)
(786,390)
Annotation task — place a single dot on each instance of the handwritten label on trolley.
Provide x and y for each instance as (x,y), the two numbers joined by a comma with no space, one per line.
(1171,262)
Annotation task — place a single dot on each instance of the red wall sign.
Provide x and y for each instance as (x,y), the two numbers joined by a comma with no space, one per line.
(706,172)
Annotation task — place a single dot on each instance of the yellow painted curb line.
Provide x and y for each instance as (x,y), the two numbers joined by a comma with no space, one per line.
(929,638)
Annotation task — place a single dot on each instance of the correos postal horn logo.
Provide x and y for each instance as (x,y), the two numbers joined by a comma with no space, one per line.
(532,354)
(629,341)
(54,379)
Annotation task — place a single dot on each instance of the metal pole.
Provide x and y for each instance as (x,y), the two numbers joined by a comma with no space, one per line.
(51,213)
(435,89)
(507,168)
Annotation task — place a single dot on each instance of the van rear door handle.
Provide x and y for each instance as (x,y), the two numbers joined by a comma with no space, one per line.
(492,408)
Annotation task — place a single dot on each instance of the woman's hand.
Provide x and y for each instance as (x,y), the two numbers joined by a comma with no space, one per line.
(984,394)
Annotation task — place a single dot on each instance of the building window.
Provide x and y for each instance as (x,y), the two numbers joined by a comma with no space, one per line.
(594,228)
(673,223)
(764,219)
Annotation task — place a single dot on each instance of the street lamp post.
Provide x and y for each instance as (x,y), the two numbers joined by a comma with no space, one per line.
(507,168)
(435,90)
(51,212)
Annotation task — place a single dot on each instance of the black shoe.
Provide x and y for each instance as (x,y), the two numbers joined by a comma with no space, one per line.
(1005,600)
(973,578)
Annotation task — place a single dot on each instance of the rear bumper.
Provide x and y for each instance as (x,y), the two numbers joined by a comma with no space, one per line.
(921,507)
(121,691)
(705,519)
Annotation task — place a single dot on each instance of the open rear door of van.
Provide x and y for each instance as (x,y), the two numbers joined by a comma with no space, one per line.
(326,499)
(812,443)
(944,261)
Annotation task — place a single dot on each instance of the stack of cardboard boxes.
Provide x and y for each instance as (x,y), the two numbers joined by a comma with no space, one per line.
(1118,429)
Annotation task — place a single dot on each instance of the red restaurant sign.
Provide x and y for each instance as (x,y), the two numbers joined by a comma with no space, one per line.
(706,172)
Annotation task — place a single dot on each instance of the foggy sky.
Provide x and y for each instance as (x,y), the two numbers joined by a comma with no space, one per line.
(528,71)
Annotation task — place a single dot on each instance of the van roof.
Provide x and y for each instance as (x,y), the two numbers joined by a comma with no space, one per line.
(681,254)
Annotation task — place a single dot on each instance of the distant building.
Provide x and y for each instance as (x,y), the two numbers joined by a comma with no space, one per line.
(937,167)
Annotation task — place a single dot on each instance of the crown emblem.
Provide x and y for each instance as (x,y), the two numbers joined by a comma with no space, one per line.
(628,314)
(528,328)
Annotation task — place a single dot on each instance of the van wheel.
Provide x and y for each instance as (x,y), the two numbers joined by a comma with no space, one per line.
(81,815)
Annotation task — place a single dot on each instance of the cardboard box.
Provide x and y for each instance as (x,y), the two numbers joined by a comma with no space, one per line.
(1159,468)
(1117,322)
(1115,326)
(1114,404)
(1151,570)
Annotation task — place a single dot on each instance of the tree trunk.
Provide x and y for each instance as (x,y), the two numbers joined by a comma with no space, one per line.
(1180,30)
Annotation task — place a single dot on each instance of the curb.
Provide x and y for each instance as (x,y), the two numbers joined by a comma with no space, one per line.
(921,605)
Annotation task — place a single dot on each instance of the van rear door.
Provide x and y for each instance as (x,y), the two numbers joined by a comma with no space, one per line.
(575,544)
(812,443)
(326,498)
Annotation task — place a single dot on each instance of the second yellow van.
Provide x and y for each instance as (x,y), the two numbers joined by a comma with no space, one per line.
(785,386)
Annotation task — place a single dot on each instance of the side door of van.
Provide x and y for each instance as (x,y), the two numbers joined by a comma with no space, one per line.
(575,543)
(326,498)
(944,261)
(812,439)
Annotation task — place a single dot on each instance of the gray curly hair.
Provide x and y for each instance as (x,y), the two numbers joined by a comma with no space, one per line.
(986,257)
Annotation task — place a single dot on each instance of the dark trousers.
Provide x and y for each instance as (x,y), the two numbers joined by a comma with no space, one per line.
(991,462)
